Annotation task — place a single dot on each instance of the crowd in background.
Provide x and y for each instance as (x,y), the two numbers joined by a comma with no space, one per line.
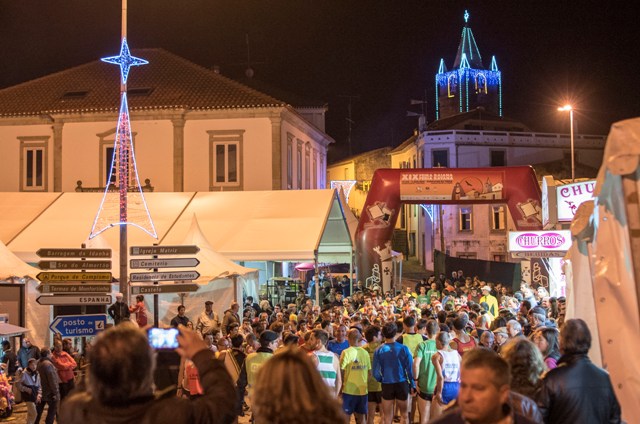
(446,350)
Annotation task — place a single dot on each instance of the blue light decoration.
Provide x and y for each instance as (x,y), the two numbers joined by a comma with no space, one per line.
(454,93)
(124,60)
(124,204)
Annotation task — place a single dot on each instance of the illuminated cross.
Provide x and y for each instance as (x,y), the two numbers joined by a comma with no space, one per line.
(466,16)
(125,60)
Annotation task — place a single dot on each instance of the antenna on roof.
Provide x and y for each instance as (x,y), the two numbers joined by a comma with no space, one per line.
(249,71)
(350,121)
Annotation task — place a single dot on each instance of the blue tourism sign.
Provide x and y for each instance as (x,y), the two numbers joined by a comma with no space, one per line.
(78,325)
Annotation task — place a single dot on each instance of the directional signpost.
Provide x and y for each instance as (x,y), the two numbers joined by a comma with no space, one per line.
(78,325)
(158,263)
(73,253)
(163,288)
(70,300)
(74,276)
(163,263)
(74,288)
(74,265)
(164,250)
(163,276)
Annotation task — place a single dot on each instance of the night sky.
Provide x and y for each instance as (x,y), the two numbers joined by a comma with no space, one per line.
(382,52)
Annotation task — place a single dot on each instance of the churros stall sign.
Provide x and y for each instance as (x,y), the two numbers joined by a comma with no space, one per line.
(442,185)
(528,241)
(570,196)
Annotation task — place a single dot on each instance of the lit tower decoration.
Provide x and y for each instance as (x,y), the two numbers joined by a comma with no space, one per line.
(468,85)
(123,204)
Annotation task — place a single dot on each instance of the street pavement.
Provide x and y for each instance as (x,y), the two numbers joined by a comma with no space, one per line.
(19,416)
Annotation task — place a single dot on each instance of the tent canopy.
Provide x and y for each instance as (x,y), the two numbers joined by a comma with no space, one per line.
(283,225)
(10,330)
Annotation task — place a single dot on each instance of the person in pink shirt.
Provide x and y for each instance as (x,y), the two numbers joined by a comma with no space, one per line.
(65,364)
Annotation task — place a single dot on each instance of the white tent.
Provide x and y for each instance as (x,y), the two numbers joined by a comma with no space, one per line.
(607,258)
(284,225)
(220,280)
(12,266)
(289,225)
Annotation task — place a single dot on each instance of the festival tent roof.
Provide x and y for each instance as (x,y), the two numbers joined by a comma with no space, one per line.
(9,330)
(212,265)
(12,266)
(244,226)
(270,225)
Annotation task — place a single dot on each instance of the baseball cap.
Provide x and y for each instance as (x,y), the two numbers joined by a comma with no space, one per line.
(487,288)
(268,336)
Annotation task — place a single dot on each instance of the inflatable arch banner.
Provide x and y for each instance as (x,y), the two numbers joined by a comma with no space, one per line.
(517,187)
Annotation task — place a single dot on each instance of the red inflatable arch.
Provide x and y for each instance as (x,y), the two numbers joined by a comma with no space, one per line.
(390,188)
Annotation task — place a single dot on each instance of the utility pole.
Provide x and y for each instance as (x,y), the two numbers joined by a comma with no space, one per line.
(350,121)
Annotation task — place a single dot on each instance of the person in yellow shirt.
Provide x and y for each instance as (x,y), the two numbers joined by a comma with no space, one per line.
(490,300)
(355,364)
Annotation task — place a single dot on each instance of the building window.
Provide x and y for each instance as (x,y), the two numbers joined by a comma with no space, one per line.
(440,158)
(481,84)
(225,152)
(466,218)
(499,257)
(107,142)
(299,165)
(307,166)
(452,85)
(498,158)
(33,163)
(498,218)
(289,161)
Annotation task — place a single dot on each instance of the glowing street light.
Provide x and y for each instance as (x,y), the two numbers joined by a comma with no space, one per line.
(569,108)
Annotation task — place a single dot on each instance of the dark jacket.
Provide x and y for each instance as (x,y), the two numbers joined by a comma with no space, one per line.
(49,380)
(118,312)
(215,406)
(578,392)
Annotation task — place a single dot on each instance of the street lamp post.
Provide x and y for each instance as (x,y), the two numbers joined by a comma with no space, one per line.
(569,108)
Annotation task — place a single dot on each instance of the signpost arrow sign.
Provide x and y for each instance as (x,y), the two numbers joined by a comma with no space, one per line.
(74,276)
(78,325)
(163,276)
(164,250)
(71,265)
(163,288)
(163,263)
(68,300)
(73,288)
(73,253)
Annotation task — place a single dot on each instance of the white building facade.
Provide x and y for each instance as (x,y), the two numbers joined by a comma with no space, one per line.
(193,130)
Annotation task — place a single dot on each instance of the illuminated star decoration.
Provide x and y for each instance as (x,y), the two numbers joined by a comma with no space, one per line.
(125,60)
(124,203)
(466,16)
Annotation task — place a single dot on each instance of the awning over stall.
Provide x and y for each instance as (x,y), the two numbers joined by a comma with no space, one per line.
(287,225)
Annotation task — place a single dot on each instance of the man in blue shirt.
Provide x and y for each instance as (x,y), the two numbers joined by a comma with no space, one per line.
(340,343)
(393,367)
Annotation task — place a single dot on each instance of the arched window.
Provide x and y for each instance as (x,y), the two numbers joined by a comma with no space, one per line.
(452,85)
(481,83)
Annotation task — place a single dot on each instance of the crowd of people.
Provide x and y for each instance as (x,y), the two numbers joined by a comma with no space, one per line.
(447,350)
